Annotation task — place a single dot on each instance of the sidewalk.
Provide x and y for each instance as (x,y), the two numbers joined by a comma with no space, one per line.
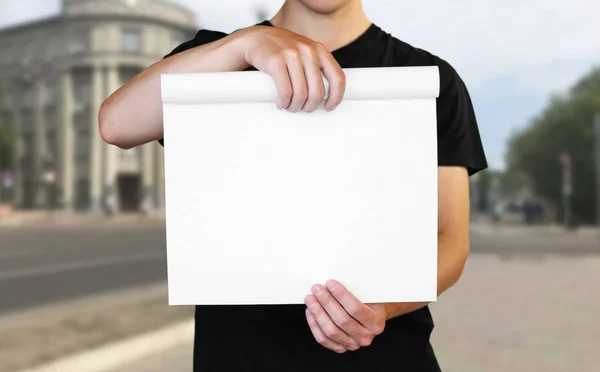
(45,217)
(178,359)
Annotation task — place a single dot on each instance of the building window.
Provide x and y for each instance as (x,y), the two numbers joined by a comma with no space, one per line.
(82,142)
(51,117)
(28,144)
(81,119)
(51,93)
(52,144)
(132,41)
(79,41)
(82,88)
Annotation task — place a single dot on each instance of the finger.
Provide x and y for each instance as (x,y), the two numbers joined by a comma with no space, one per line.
(320,336)
(336,77)
(340,316)
(314,79)
(298,79)
(279,72)
(327,326)
(352,305)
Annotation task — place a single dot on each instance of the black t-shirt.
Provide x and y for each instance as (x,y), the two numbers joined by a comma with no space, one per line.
(277,337)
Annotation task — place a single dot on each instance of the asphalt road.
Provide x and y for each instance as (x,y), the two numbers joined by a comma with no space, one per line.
(42,265)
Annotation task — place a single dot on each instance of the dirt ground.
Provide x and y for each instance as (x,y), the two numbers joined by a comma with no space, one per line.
(37,336)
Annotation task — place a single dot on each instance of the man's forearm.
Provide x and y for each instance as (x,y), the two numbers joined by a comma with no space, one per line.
(452,256)
(132,115)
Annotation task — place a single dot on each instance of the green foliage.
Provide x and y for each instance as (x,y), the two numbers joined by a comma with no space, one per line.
(7,147)
(564,126)
(8,142)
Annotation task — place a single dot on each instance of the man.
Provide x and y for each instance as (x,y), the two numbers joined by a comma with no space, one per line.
(334,331)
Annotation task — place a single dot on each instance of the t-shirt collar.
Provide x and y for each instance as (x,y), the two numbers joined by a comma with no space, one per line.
(362,41)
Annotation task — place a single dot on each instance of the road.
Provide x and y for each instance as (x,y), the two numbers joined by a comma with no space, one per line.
(42,265)
(527,300)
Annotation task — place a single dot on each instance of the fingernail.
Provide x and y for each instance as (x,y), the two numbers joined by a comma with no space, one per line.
(310,300)
(330,285)
(316,289)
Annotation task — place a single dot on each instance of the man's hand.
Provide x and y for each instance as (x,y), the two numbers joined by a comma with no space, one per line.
(296,64)
(339,321)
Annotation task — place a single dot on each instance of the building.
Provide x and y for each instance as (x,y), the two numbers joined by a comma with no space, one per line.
(54,75)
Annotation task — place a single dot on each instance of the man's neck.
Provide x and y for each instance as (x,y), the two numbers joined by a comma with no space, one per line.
(334,30)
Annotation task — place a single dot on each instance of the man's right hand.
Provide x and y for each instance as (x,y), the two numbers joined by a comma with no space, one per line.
(296,64)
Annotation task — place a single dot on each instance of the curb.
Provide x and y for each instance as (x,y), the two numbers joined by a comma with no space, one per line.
(120,353)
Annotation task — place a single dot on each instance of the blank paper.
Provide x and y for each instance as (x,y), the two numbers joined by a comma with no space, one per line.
(261,203)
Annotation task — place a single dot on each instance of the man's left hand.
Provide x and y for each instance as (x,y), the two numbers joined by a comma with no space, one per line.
(339,321)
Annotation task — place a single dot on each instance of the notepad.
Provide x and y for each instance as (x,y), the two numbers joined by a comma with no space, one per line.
(263,203)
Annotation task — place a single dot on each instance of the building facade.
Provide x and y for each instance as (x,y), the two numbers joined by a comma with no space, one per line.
(54,75)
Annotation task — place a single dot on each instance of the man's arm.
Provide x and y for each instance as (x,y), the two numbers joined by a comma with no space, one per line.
(340,322)
(133,114)
(453,234)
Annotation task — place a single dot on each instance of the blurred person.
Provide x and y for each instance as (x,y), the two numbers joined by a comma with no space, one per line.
(497,212)
(333,331)
(145,205)
(110,203)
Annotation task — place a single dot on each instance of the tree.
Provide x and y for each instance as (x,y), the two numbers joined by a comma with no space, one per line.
(564,126)
(8,142)
(7,148)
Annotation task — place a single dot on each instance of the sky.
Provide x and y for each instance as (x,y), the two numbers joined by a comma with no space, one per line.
(512,54)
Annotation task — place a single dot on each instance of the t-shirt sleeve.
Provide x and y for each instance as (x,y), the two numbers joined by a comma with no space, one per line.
(459,141)
(202,37)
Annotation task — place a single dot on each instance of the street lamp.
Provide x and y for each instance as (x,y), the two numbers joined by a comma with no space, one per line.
(597,127)
(567,188)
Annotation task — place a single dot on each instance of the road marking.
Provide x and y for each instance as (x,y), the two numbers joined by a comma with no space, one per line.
(119,354)
(74,266)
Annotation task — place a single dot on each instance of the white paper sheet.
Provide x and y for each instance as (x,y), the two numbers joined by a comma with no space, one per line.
(261,204)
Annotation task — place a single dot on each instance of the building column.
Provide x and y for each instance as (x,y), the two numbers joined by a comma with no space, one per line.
(39,152)
(111,152)
(66,141)
(96,142)
(17,190)
(159,182)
